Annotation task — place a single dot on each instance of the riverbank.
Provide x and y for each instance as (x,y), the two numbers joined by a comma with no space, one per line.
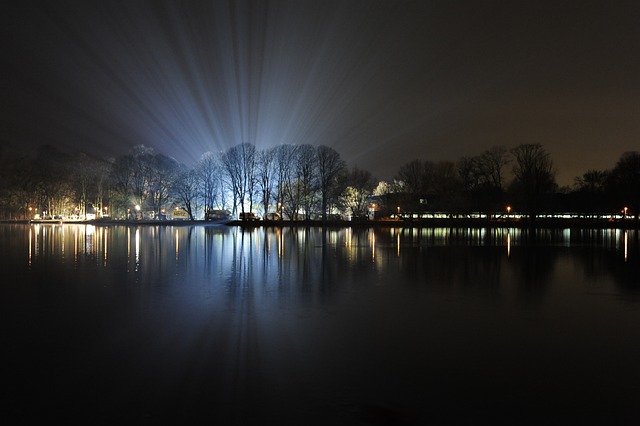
(562,223)
(456,223)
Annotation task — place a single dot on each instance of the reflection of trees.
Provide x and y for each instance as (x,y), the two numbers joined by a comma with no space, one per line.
(612,253)
(313,265)
(216,243)
(449,259)
(306,266)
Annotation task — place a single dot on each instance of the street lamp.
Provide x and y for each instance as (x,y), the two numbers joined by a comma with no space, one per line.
(624,211)
(508,210)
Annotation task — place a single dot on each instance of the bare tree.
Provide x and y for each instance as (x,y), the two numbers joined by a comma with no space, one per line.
(210,178)
(54,184)
(492,163)
(306,177)
(286,157)
(121,185)
(140,177)
(592,181)
(624,181)
(330,166)
(240,165)
(21,178)
(444,178)
(482,179)
(163,172)
(468,170)
(416,180)
(415,177)
(187,189)
(534,176)
(265,171)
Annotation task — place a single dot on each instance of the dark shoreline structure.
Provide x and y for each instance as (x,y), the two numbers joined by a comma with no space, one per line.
(542,223)
(453,223)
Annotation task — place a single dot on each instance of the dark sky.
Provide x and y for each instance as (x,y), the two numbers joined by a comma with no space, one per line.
(382,82)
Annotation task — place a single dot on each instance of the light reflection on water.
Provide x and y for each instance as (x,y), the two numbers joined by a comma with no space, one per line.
(334,325)
(92,241)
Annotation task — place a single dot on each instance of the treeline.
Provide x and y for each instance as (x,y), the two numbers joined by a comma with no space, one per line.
(295,181)
(522,178)
(303,182)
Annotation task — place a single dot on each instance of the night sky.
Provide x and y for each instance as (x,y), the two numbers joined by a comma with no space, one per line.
(382,82)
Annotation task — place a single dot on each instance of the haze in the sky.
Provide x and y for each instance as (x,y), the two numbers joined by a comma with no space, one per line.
(383,82)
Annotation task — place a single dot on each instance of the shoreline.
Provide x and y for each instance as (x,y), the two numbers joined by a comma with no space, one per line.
(542,223)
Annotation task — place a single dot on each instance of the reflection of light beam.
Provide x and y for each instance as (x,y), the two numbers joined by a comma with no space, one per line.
(106,245)
(75,244)
(176,245)
(30,238)
(626,245)
(137,248)
(280,237)
(89,237)
(508,244)
(373,246)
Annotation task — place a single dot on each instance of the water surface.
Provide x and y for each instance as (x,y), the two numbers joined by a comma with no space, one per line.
(319,326)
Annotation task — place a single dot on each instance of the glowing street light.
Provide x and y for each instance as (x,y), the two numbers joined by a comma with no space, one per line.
(624,212)
(508,210)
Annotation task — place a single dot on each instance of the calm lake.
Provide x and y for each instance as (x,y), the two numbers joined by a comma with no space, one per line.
(220,325)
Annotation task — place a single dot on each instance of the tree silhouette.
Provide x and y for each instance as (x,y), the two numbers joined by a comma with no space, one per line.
(330,166)
(624,181)
(533,175)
